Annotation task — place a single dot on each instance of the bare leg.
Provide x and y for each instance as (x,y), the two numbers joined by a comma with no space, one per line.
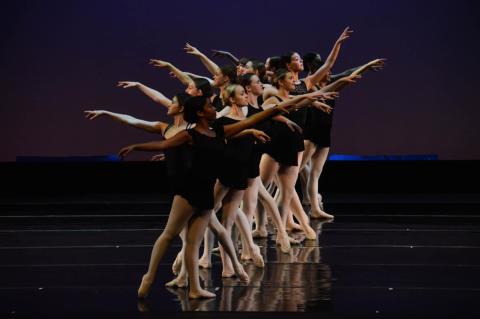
(230,206)
(227,244)
(318,162)
(180,213)
(305,169)
(250,199)
(177,264)
(219,193)
(196,229)
(269,203)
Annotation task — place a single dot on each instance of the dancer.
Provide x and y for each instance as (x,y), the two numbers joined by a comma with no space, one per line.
(283,158)
(194,202)
(318,132)
(177,160)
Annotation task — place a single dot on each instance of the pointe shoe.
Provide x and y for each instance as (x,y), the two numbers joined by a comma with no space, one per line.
(144,288)
(260,233)
(201,294)
(257,257)
(284,244)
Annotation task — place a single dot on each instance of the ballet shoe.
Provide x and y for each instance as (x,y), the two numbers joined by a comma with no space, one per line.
(204,263)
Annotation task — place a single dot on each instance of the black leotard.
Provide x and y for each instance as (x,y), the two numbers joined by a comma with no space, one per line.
(177,161)
(203,172)
(286,143)
(236,157)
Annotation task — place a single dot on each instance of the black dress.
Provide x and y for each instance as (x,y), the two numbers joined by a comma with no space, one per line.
(286,143)
(300,116)
(319,126)
(201,175)
(259,148)
(178,161)
(236,158)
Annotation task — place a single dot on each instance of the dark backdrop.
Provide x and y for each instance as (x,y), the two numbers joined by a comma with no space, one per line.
(59,58)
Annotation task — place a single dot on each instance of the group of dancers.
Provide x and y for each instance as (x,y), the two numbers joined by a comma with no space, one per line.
(237,144)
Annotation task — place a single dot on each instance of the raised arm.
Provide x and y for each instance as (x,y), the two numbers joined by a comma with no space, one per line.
(227,55)
(213,68)
(182,76)
(313,79)
(152,127)
(179,139)
(195,76)
(156,96)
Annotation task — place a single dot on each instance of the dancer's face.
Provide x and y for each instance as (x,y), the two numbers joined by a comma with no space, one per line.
(296,63)
(255,86)
(241,70)
(209,111)
(219,79)
(288,82)
(175,108)
(193,90)
(240,98)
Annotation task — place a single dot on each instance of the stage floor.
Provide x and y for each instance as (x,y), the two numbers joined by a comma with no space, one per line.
(85,258)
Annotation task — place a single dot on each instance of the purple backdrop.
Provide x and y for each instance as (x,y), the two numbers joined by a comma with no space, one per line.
(62,57)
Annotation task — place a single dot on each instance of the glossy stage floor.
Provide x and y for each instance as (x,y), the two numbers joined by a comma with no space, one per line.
(384,256)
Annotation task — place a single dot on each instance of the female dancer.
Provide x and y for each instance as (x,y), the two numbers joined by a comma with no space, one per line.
(317,134)
(176,160)
(194,201)
(282,161)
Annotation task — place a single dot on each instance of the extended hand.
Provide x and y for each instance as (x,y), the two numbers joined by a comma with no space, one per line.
(345,35)
(323,107)
(261,136)
(127,84)
(294,127)
(90,115)
(191,50)
(159,63)
(378,64)
(126,150)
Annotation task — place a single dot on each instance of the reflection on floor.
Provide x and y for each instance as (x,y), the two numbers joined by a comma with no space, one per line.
(361,265)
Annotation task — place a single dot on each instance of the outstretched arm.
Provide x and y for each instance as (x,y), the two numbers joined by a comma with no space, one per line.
(313,79)
(209,64)
(152,127)
(179,139)
(284,106)
(195,76)
(227,55)
(156,96)
(335,77)
(339,84)
(182,76)
(375,65)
